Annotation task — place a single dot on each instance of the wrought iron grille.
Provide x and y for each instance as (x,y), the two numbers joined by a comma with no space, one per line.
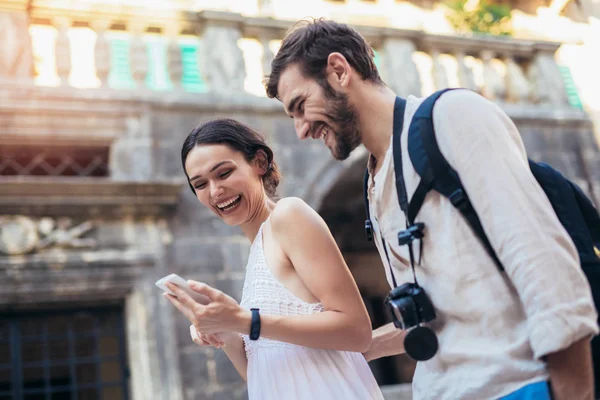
(66,355)
(53,161)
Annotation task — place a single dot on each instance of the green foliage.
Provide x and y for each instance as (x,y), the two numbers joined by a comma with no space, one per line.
(484,18)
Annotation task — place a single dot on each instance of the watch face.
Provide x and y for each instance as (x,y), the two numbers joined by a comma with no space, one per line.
(18,235)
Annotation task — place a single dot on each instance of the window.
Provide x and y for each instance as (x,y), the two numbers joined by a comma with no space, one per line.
(53,161)
(76,355)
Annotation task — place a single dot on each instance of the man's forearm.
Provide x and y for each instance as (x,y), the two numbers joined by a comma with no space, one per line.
(571,372)
(387,341)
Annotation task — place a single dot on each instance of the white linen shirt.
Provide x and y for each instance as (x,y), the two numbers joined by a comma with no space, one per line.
(493,328)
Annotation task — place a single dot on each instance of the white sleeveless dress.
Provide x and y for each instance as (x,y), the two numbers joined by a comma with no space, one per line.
(278,370)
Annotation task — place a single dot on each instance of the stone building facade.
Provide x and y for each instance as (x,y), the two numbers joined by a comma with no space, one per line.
(93,204)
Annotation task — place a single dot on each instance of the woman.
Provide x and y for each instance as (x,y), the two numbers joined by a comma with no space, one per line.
(313,323)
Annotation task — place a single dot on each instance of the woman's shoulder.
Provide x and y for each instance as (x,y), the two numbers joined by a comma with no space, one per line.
(293,212)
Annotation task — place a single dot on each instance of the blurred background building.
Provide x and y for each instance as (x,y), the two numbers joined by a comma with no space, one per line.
(96,97)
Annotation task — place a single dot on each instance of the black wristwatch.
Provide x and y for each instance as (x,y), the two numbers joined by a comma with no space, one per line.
(255,324)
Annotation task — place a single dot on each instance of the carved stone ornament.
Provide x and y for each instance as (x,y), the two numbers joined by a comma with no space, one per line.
(22,235)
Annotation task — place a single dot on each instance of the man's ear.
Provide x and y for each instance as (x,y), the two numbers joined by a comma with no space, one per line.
(338,70)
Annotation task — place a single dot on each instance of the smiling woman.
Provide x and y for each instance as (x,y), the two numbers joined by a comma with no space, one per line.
(301,325)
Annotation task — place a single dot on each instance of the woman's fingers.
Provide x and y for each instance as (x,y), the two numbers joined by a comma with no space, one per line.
(189,313)
(212,339)
(205,339)
(196,338)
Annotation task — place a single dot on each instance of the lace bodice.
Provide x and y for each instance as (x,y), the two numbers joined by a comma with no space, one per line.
(263,291)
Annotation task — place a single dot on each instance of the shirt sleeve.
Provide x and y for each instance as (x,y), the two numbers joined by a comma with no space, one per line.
(484,146)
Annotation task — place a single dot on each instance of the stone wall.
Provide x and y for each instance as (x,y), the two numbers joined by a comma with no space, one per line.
(188,239)
(146,222)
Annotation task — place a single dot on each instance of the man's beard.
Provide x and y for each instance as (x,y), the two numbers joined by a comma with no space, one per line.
(342,113)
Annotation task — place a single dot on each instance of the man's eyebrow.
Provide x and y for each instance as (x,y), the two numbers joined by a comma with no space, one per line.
(212,169)
(291,107)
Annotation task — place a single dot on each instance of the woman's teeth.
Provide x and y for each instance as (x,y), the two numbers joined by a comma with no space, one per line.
(228,204)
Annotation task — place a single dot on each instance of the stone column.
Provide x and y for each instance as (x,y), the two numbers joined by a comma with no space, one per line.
(493,85)
(151,335)
(102,51)
(266,8)
(63,49)
(401,72)
(267,56)
(547,84)
(138,55)
(130,156)
(16,54)
(465,74)
(174,57)
(517,86)
(223,59)
(440,79)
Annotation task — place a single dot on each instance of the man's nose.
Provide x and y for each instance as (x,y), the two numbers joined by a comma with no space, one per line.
(302,128)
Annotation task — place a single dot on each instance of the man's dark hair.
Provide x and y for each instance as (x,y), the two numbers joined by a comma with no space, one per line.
(309,44)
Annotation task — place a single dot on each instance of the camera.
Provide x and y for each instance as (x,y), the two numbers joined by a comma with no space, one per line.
(410,306)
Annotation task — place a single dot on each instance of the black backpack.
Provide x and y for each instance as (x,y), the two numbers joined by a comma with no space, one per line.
(573,208)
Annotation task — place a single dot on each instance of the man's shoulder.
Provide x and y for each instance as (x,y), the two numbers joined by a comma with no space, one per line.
(463,118)
(461,110)
(456,100)
(450,104)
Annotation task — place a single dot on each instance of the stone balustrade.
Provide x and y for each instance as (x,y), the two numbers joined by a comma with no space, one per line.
(210,51)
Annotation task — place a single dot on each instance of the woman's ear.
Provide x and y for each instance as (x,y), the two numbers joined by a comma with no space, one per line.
(262,162)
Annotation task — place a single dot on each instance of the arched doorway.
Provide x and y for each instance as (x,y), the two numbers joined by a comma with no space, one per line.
(341,204)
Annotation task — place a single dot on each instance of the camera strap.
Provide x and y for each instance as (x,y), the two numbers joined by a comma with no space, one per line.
(412,260)
(413,231)
(389,262)
(410,210)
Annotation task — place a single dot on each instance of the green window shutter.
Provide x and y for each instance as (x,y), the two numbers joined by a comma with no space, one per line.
(377,60)
(570,87)
(120,76)
(191,78)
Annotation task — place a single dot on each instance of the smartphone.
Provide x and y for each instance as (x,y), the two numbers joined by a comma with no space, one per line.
(182,283)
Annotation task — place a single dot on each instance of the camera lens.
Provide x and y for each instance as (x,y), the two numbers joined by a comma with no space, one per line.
(404,311)
(421,343)
(397,314)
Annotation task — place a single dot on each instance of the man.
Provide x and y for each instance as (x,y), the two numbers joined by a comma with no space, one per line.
(500,334)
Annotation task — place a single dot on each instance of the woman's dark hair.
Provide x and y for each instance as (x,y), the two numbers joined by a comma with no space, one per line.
(238,137)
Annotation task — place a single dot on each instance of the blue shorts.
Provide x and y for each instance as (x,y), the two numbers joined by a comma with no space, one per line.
(533,391)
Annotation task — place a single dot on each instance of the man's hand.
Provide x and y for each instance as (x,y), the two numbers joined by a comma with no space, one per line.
(571,372)
(387,341)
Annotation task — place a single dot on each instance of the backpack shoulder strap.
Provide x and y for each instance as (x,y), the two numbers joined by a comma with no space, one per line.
(430,163)
(590,213)
(399,109)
